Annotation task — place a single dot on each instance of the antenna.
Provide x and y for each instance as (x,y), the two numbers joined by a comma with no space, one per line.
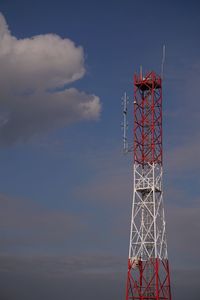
(162,63)
(141,72)
(125,123)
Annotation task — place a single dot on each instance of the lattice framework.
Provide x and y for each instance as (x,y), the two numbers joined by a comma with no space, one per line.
(148,268)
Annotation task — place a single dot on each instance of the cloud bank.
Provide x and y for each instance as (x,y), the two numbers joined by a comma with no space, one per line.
(32,70)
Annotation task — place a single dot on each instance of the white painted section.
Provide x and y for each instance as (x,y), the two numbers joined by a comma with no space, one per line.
(147,236)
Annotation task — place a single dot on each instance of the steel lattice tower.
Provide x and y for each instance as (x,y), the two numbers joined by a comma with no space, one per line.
(148,269)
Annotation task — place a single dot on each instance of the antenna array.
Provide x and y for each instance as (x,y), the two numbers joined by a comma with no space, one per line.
(125,101)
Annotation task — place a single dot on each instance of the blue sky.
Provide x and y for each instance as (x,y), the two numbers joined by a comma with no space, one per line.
(65,185)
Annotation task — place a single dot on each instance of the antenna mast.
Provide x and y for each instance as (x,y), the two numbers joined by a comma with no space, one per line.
(162,63)
(125,123)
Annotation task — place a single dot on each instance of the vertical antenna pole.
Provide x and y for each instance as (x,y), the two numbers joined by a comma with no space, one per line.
(141,72)
(163,61)
(125,123)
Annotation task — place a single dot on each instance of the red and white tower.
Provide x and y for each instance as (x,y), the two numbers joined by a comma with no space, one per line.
(148,268)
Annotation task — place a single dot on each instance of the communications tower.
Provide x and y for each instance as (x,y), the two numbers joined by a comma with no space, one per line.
(148,268)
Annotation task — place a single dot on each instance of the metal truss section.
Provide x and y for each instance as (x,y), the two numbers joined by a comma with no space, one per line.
(148,237)
(149,280)
(148,119)
(148,268)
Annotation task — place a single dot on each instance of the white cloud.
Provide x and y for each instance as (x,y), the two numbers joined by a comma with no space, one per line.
(30,67)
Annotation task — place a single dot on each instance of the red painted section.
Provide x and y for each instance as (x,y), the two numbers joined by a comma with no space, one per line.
(148,280)
(148,119)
